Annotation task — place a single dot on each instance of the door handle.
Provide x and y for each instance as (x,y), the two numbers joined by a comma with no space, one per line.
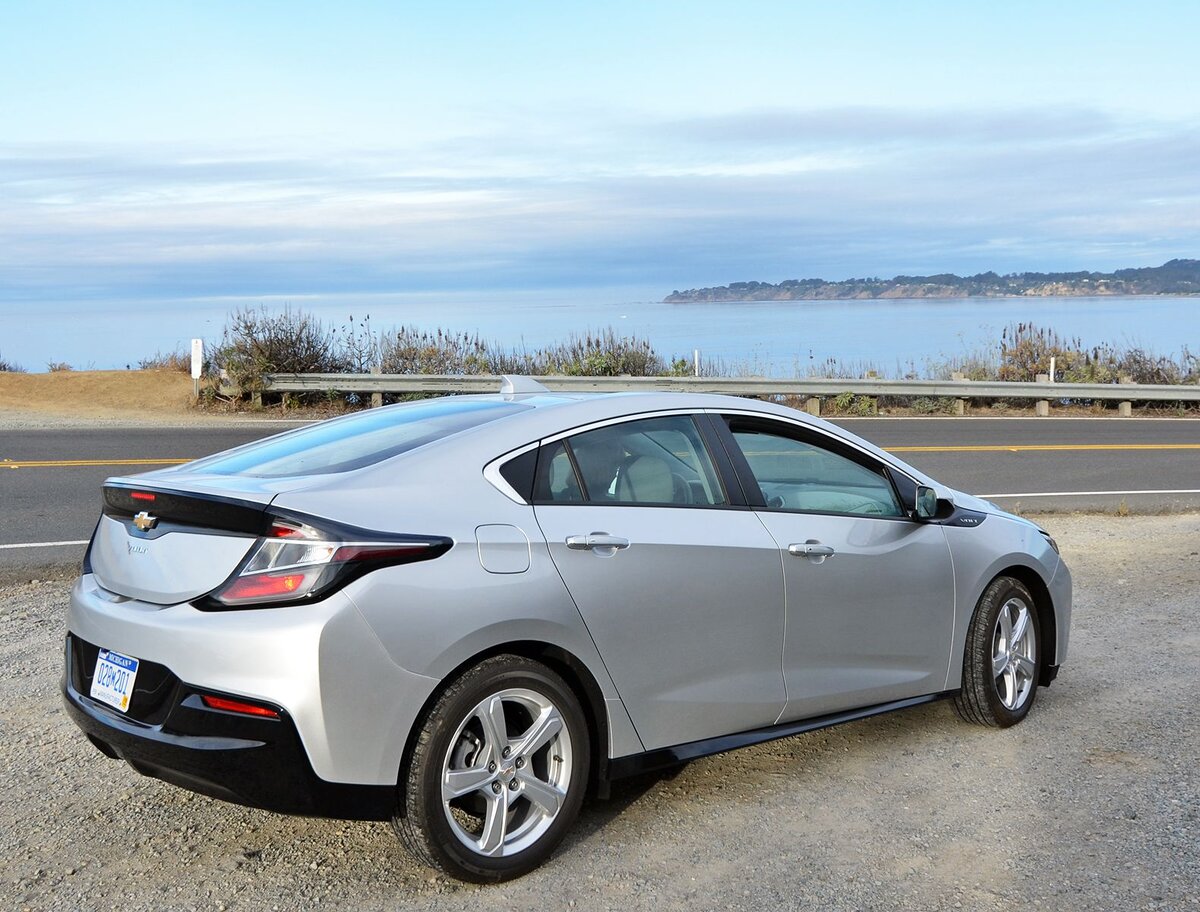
(596,540)
(811,549)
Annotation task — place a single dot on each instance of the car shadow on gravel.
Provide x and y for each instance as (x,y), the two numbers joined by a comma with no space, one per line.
(794,760)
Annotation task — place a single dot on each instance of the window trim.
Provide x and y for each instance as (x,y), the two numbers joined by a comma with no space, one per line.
(813,436)
(741,487)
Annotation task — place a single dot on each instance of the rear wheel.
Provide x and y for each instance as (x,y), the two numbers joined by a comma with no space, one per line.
(498,772)
(1002,656)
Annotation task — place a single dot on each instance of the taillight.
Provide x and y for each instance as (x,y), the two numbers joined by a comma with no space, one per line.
(298,562)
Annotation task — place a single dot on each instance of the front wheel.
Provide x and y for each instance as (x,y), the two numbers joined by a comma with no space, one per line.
(1002,656)
(497,773)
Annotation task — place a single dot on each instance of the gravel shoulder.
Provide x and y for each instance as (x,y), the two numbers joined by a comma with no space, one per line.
(1090,804)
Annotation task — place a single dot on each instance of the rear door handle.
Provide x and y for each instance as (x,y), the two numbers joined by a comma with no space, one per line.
(811,549)
(596,541)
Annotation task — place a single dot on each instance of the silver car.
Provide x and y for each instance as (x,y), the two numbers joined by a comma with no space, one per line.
(463,614)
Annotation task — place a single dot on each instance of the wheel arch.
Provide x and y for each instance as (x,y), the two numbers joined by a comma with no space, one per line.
(567,666)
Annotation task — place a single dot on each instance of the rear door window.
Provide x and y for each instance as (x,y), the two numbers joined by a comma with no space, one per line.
(649,461)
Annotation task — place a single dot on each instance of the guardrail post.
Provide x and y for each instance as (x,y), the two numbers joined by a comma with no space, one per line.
(1042,408)
(960,405)
(376,398)
(1125,407)
(874,400)
(812,405)
(256,399)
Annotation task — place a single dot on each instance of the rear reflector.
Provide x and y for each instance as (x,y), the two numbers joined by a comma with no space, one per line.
(237,706)
(142,495)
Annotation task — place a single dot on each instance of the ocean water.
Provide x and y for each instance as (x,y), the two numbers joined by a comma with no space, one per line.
(767,338)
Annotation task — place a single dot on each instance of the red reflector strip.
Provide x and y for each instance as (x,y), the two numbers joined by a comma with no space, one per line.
(142,495)
(237,706)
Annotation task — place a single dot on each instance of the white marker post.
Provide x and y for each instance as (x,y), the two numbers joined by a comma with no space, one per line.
(197,365)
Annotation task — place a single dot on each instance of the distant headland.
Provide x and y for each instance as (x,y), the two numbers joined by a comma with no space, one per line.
(1175,277)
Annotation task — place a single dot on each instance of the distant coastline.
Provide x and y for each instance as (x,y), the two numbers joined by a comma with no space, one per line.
(1175,277)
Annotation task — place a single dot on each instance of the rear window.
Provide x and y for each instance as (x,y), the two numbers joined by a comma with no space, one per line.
(356,441)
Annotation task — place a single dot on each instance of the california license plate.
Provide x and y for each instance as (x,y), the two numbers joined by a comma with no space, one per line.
(113,681)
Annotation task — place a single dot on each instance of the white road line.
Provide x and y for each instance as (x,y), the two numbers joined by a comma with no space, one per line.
(1084,493)
(44,544)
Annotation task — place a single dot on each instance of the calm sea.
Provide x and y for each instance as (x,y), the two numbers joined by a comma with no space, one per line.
(768,338)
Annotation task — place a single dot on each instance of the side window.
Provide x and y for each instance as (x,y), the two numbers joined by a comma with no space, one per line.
(795,474)
(650,461)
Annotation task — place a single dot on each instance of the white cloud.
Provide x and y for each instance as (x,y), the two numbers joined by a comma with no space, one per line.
(756,195)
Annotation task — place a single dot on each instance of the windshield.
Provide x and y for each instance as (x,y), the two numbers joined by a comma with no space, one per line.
(355,441)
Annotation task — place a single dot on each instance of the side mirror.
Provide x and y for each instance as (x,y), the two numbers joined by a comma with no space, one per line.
(926,502)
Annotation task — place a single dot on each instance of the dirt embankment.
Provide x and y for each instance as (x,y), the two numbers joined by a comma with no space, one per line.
(96,394)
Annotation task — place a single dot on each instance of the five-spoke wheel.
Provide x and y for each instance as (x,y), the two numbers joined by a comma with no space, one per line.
(498,771)
(1014,653)
(1001,660)
(506,772)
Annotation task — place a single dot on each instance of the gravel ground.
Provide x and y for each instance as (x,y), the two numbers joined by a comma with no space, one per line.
(1091,803)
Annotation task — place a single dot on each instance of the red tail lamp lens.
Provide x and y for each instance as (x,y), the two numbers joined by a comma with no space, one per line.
(142,495)
(264,585)
(237,706)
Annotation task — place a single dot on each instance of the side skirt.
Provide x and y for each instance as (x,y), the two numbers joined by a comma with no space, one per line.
(664,757)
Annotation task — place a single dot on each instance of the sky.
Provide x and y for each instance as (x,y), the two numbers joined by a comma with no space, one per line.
(173,152)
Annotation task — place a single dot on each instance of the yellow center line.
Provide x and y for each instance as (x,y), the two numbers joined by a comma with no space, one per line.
(1021,448)
(55,463)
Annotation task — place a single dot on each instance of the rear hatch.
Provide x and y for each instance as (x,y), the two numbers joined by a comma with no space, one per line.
(170,545)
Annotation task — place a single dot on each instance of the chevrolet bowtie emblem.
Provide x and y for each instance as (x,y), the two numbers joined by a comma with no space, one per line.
(145,522)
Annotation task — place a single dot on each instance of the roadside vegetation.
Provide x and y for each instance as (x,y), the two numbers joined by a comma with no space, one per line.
(10,367)
(258,341)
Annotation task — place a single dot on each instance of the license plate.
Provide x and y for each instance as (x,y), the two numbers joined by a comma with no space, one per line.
(113,681)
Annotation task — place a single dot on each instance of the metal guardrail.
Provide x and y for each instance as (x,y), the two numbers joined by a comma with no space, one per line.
(737,386)
(807,387)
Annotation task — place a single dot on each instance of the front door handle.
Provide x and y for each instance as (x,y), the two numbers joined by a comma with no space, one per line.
(811,548)
(594,541)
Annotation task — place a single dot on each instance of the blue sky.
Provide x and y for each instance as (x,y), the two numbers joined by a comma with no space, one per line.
(173,152)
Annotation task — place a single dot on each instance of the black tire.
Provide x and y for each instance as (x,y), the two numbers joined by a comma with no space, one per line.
(435,832)
(984,694)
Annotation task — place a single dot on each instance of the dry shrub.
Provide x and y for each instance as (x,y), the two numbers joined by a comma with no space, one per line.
(257,342)
(180,361)
(11,367)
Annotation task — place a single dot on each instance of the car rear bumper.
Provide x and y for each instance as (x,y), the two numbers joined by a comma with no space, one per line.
(349,707)
(259,762)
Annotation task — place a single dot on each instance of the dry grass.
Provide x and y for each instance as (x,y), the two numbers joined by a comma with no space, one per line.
(96,394)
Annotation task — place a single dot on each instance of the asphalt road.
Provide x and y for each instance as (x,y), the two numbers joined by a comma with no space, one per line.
(50,489)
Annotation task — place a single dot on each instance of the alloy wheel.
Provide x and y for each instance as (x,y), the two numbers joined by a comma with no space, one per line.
(506,772)
(1014,654)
